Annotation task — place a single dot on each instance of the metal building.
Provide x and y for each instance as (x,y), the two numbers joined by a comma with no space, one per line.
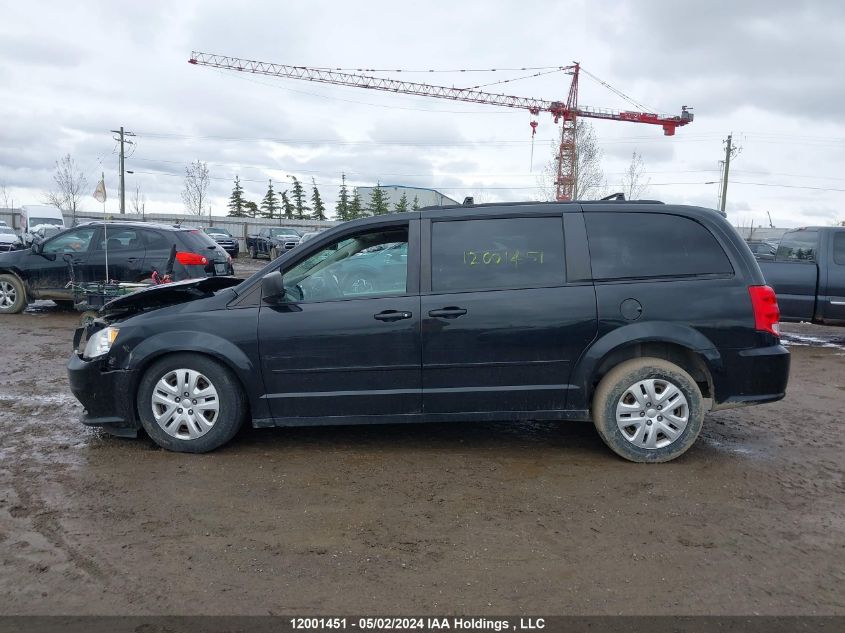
(425,197)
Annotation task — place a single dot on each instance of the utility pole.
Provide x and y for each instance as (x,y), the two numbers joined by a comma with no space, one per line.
(730,151)
(122,164)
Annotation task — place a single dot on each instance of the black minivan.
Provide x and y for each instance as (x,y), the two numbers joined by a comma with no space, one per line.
(638,316)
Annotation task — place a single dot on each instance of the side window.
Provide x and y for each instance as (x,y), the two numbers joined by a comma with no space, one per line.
(264,232)
(635,245)
(798,246)
(72,242)
(120,239)
(372,264)
(154,241)
(839,248)
(497,254)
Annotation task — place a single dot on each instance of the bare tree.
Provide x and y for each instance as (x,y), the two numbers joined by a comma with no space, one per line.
(5,199)
(634,184)
(70,185)
(138,202)
(195,193)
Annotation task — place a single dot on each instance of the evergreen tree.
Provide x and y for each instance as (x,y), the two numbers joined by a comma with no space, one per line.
(287,206)
(402,205)
(236,200)
(378,201)
(341,210)
(317,202)
(250,209)
(416,205)
(355,210)
(298,195)
(270,204)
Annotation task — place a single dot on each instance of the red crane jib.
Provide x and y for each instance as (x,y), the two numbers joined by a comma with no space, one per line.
(567,111)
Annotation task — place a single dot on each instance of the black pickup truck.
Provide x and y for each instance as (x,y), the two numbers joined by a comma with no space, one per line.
(808,275)
(272,241)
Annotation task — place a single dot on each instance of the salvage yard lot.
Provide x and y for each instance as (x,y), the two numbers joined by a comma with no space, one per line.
(470,518)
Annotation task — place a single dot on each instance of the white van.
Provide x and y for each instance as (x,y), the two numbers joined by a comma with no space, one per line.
(41,220)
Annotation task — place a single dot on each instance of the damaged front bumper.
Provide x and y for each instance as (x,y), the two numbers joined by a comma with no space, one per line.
(106,394)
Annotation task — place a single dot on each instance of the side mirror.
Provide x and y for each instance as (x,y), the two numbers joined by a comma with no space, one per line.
(272,287)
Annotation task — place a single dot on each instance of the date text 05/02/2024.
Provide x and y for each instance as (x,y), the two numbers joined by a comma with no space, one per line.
(417,623)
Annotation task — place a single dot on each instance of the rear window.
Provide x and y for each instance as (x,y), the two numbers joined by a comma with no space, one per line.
(497,254)
(197,241)
(634,245)
(798,246)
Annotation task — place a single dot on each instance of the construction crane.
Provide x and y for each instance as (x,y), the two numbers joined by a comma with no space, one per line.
(567,111)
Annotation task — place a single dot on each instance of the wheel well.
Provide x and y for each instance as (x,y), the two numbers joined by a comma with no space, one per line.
(142,369)
(681,356)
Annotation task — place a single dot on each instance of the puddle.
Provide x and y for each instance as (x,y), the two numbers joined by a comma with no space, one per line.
(726,447)
(61,398)
(804,340)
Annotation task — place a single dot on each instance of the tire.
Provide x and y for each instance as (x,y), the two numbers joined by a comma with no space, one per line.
(12,295)
(252,253)
(640,433)
(192,435)
(274,253)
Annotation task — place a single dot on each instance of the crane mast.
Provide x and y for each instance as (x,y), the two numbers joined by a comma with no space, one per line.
(567,112)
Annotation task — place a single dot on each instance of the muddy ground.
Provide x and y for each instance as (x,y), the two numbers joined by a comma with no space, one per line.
(533,518)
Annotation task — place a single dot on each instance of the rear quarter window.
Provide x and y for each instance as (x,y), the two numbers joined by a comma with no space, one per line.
(636,245)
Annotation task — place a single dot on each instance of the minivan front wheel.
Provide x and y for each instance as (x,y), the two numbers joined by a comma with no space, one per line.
(648,410)
(190,403)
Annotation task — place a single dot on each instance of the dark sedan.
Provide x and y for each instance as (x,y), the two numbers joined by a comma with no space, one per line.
(121,251)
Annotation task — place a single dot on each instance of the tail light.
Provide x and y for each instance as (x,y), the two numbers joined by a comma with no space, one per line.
(191,259)
(766,311)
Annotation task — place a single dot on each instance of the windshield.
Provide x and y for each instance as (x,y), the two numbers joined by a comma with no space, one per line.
(214,229)
(284,233)
(5,230)
(37,221)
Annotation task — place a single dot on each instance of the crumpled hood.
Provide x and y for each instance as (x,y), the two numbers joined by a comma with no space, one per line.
(154,297)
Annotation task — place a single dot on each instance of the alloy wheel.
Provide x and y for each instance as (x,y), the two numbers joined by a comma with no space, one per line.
(8,294)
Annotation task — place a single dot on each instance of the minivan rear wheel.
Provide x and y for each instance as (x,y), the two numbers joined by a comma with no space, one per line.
(648,410)
(190,403)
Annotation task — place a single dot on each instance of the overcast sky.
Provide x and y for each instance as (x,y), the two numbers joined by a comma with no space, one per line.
(770,72)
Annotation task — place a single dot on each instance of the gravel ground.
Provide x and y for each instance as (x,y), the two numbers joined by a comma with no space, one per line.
(462,518)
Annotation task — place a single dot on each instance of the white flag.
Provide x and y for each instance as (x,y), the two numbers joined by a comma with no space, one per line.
(100,191)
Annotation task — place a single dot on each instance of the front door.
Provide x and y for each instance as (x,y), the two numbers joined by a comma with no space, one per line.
(50,271)
(345,341)
(501,327)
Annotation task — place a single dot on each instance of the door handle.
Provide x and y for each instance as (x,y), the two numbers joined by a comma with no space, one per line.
(132,260)
(392,315)
(449,312)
